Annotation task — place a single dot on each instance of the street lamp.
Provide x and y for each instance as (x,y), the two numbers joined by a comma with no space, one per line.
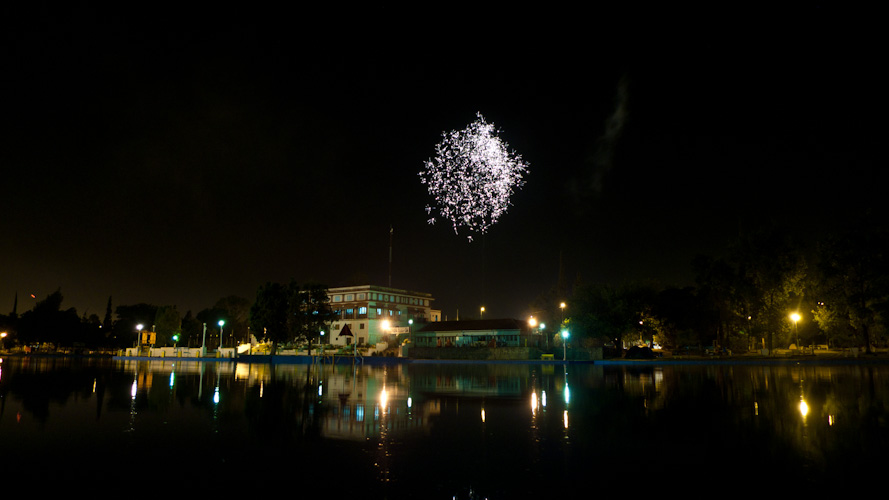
(795,317)
(221,323)
(482,313)
(139,333)
(565,335)
(562,312)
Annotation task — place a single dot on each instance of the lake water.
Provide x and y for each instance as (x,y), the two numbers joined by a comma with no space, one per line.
(436,430)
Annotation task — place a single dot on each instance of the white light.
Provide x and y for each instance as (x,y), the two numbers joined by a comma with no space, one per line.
(472,177)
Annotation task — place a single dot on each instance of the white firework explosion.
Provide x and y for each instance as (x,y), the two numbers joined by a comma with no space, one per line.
(472,177)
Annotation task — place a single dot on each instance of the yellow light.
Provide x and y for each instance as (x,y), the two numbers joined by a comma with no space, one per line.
(385,324)
(803,408)
(532,322)
(795,317)
(384,398)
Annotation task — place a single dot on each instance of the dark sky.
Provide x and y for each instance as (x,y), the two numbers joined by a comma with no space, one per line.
(176,157)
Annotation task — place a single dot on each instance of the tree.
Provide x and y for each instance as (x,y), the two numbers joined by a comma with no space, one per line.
(269,313)
(128,316)
(235,310)
(312,309)
(108,322)
(769,277)
(602,313)
(47,322)
(724,303)
(192,330)
(167,324)
(854,291)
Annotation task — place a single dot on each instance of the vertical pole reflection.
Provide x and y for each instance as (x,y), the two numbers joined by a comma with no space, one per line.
(383,460)
(567,396)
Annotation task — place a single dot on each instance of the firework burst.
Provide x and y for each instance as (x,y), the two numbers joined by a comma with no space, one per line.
(472,177)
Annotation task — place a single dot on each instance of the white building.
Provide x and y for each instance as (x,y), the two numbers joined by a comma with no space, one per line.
(368,314)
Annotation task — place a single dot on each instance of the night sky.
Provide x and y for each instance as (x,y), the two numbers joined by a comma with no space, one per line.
(177,157)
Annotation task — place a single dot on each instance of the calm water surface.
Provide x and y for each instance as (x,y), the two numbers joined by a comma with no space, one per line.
(436,430)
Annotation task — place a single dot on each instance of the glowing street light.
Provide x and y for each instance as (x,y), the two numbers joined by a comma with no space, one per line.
(795,317)
(139,333)
(565,335)
(482,313)
(221,323)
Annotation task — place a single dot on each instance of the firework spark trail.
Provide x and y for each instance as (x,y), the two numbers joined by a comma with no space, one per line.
(472,177)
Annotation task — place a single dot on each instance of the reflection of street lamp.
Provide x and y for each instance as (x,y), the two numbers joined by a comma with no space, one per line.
(221,322)
(564,345)
(795,318)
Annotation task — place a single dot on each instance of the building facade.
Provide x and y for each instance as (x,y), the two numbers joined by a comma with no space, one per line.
(370,315)
(473,333)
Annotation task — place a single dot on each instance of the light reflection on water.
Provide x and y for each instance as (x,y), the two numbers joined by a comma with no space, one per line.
(434,430)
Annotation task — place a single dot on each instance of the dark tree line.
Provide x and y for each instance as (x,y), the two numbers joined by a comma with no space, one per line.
(49,322)
(745,299)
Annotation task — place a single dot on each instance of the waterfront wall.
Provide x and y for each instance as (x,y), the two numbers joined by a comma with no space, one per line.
(475,353)
(176,352)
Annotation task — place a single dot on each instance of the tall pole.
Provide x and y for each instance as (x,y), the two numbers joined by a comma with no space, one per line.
(390,255)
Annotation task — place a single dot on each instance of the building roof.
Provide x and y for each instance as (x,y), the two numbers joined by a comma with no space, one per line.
(376,288)
(473,324)
(346,331)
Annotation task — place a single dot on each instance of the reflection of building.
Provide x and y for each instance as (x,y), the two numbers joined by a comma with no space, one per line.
(471,333)
(371,314)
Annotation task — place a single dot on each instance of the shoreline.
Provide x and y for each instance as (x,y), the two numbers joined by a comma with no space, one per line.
(832,359)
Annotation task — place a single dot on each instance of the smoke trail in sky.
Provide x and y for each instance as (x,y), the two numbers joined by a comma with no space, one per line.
(603,158)
(601,162)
